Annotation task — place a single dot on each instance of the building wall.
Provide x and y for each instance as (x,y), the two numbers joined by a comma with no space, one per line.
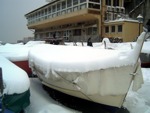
(130,30)
(46,24)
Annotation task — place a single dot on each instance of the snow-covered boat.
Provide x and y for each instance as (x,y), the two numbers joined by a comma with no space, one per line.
(18,53)
(14,88)
(99,75)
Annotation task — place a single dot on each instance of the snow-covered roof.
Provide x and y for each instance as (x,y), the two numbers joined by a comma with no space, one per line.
(122,20)
(15,79)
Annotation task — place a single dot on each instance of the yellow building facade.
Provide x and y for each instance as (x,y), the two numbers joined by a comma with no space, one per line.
(126,30)
(75,20)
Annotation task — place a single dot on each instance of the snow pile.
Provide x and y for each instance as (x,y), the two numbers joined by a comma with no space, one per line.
(41,101)
(14,52)
(15,79)
(77,59)
(32,43)
(81,59)
(146,47)
(139,102)
(18,52)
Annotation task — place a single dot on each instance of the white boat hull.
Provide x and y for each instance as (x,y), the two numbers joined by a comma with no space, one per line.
(78,89)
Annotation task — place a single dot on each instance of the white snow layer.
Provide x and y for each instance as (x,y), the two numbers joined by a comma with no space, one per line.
(41,102)
(17,52)
(81,59)
(15,79)
(139,102)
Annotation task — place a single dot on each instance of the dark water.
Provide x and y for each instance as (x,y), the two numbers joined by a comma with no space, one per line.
(82,105)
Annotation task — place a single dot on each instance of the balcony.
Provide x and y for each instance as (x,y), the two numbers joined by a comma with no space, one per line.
(66,11)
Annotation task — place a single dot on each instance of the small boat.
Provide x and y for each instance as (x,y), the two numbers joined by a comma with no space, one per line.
(14,87)
(99,75)
(18,54)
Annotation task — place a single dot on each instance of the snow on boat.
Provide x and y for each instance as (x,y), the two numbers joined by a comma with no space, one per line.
(16,94)
(99,75)
(18,53)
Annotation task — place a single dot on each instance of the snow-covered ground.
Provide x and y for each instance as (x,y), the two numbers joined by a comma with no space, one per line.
(41,102)
(135,102)
(139,102)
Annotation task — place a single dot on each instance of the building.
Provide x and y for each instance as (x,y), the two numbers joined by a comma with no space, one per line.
(75,20)
(122,30)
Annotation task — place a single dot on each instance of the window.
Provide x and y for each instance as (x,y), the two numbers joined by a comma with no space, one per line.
(49,9)
(116,3)
(69,3)
(45,11)
(77,32)
(112,28)
(58,6)
(95,6)
(81,1)
(64,5)
(119,28)
(108,2)
(53,8)
(94,30)
(75,2)
(107,29)
(98,1)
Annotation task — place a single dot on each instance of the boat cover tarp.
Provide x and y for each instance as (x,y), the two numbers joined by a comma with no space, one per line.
(16,102)
(92,71)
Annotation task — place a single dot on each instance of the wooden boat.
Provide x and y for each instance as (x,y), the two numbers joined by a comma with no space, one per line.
(98,75)
(23,65)
(15,95)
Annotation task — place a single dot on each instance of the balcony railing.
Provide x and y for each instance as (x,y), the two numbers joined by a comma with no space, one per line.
(61,8)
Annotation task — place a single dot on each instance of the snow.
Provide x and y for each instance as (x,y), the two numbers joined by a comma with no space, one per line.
(19,51)
(139,102)
(59,58)
(41,102)
(14,52)
(81,59)
(123,20)
(146,47)
(15,79)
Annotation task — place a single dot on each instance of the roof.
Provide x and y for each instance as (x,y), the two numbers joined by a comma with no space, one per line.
(122,20)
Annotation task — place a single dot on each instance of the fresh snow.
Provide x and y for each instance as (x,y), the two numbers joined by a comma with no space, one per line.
(139,102)
(41,102)
(15,79)
(81,59)
(17,52)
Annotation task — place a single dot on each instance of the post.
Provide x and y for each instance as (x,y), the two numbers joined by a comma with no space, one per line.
(140,20)
(1,90)
(1,81)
